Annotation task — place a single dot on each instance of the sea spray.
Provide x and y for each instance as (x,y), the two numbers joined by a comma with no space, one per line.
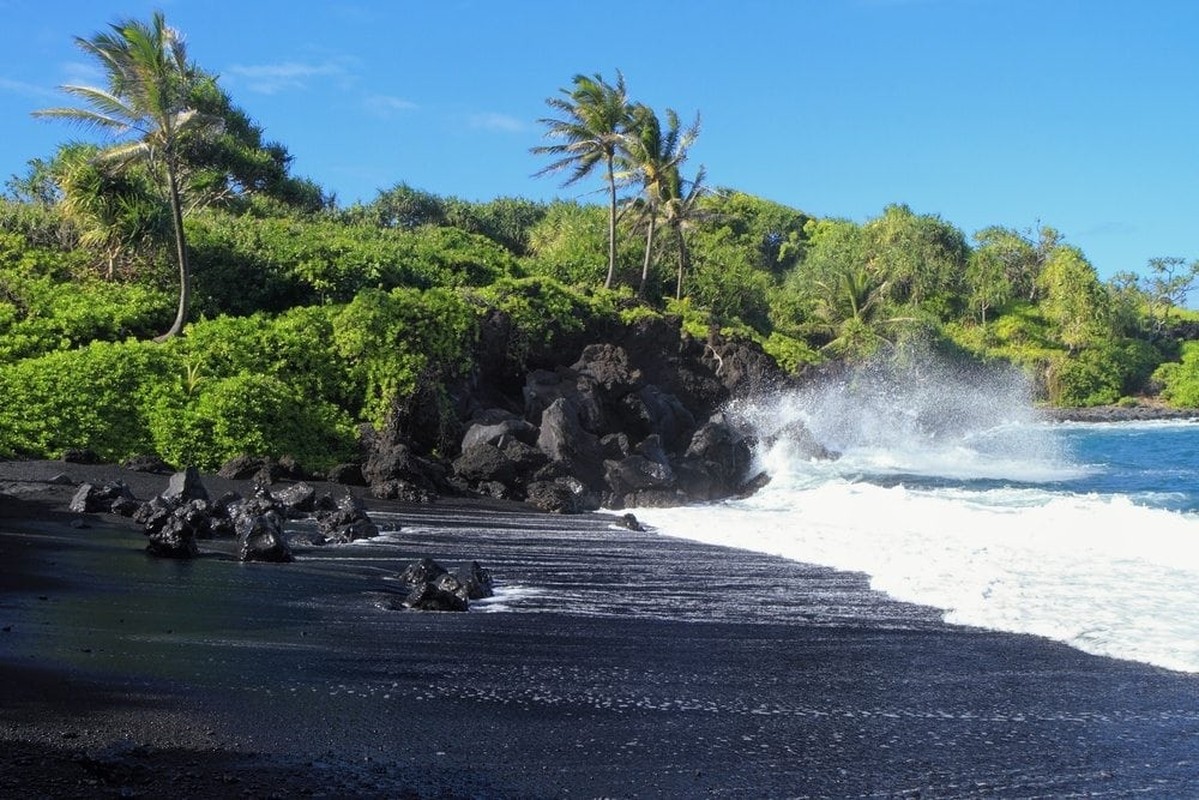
(912,415)
(950,492)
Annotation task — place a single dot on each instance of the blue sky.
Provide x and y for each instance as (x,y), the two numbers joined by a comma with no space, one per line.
(1080,115)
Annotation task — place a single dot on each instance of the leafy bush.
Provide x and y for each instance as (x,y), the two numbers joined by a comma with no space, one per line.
(789,352)
(1092,377)
(390,341)
(38,224)
(250,414)
(296,347)
(543,312)
(236,269)
(506,220)
(570,244)
(724,281)
(46,304)
(1180,379)
(94,397)
(246,264)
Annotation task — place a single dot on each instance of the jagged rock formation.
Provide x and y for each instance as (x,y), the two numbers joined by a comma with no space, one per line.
(635,419)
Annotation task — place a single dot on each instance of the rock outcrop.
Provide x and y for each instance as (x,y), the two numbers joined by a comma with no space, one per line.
(634,420)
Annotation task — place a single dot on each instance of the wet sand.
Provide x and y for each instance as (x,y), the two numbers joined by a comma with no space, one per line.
(613,664)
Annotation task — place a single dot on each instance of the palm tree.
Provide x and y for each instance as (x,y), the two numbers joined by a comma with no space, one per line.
(655,156)
(852,308)
(681,211)
(591,131)
(149,82)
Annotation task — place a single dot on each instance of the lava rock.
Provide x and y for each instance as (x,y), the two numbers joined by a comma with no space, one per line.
(263,540)
(147,463)
(104,498)
(186,485)
(348,522)
(296,499)
(564,495)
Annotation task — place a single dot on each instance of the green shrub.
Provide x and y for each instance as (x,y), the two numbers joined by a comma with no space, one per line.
(249,414)
(1180,379)
(392,340)
(246,264)
(789,352)
(48,302)
(724,281)
(505,220)
(1092,377)
(94,397)
(570,244)
(295,347)
(543,311)
(38,224)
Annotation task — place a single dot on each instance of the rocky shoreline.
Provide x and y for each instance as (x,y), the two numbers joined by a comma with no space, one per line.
(1137,413)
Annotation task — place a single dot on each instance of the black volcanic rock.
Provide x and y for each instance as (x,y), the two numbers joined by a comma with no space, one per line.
(635,394)
(348,522)
(263,540)
(113,498)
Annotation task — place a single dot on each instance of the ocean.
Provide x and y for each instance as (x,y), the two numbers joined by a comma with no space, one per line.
(951,491)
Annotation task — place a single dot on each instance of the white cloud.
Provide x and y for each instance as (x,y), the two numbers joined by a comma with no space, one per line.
(81,73)
(492,121)
(385,105)
(284,76)
(28,89)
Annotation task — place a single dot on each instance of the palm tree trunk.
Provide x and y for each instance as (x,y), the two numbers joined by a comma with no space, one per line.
(649,247)
(611,226)
(180,255)
(684,264)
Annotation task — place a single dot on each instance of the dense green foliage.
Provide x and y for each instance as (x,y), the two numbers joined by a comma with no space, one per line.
(49,301)
(245,264)
(1180,379)
(94,397)
(313,321)
(393,341)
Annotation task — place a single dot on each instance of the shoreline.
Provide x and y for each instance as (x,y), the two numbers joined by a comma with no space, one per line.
(643,667)
(1138,413)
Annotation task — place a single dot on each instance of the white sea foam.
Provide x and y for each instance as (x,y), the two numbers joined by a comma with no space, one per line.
(904,505)
(1101,574)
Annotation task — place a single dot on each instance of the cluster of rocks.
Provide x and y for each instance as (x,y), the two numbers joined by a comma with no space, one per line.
(184,513)
(428,586)
(175,520)
(633,421)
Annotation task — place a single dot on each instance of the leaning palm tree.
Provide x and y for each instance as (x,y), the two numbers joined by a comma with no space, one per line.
(149,82)
(653,155)
(590,132)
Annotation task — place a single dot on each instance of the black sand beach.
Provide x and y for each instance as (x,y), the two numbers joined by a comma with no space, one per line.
(612,664)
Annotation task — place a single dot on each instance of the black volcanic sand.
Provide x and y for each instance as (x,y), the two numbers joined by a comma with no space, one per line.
(613,664)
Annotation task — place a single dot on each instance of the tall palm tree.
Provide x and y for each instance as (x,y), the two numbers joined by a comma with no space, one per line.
(681,211)
(653,155)
(149,82)
(590,132)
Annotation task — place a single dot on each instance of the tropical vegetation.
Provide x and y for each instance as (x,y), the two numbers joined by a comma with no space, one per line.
(191,223)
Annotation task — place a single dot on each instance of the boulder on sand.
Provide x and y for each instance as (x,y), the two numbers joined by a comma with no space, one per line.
(431,587)
(114,498)
(347,522)
(263,540)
